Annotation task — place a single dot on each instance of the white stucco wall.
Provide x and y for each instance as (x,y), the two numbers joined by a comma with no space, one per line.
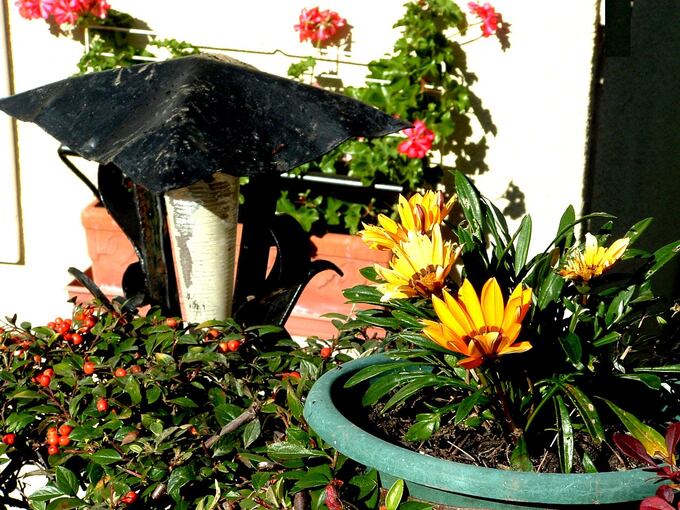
(537,92)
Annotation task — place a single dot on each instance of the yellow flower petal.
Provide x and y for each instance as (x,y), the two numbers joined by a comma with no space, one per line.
(492,303)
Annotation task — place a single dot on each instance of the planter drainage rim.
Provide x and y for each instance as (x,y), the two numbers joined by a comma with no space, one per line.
(395,461)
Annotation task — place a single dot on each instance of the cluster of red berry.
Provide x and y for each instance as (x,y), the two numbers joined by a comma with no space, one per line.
(129,498)
(232,345)
(73,331)
(9,439)
(44,378)
(17,339)
(57,437)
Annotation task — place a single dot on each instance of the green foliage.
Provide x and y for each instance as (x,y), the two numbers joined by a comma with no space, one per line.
(591,339)
(191,424)
(425,78)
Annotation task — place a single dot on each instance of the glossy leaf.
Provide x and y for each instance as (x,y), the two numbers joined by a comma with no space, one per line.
(105,456)
(586,409)
(571,344)
(519,458)
(653,442)
(66,481)
(662,256)
(565,435)
(638,229)
(394,495)
(468,197)
(523,241)
(374,370)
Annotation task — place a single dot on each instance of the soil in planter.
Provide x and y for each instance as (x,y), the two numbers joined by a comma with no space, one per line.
(486,445)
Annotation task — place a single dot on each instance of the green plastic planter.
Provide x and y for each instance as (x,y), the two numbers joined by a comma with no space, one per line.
(457,485)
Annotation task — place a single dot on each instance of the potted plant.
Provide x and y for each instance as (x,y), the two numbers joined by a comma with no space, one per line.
(537,361)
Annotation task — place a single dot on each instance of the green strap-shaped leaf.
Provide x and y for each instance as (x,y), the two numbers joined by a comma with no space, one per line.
(375,370)
(413,387)
(519,458)
(468,197)
(662,256)
(654,443)
(636,230)
(565,435)
(523,240)
(586,409)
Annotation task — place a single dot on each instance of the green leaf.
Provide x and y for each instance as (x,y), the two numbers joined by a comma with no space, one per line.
(670,369)
(183,402)
(132,389)
(66,481)
(316,477)
(374,370)
(650,380)
(654,443)
(636,230)
(47,493)
(415,386)
(468,197)
(286,450)
(588,464)
(394,495)
(251,432)
(522,247)
(519,458)
(607,339)
(178,479)
(104,457)
(369,273)
(153,393)
(65,504)
(423,428)
(550,290)
(466,405)
(565,435)
(586,409)
(571,344)
(662,256)
(618,305)
(566,227)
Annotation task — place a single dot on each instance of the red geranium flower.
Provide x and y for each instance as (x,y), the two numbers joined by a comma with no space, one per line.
(419,140)
(98,8)
(66,11)
(488,15)
(319,26)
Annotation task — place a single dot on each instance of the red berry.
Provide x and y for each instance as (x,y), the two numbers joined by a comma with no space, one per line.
(52,430)
(89,323)
(129,498)
(102,405)
(9,439)
(53,450)
(65,430)
(89,367)
(135,369)
(326,352)
(120,372)
(52,439)
(294,374)
(44,380)
(76,338)
(171,322)
(49,372)
(64,441)
(233,345)
(214,333)
(223,347)
(37,358)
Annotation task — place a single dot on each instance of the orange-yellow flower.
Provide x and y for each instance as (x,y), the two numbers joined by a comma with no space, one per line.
(419,267)
(594,260)
(420,213)
(479,329)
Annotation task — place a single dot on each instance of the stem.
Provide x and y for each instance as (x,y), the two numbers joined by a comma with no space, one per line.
(245,417)
(514,430)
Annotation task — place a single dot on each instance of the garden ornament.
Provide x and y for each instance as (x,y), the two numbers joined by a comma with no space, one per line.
(189,128)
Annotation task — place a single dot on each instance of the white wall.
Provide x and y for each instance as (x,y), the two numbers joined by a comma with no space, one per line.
(537,92)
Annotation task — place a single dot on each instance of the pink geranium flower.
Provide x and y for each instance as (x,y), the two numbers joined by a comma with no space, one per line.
(319,26)
(419,141)
(488,15)
(29,9)
(98,8)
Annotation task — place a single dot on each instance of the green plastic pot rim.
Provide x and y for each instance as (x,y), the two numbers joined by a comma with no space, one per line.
(545,488)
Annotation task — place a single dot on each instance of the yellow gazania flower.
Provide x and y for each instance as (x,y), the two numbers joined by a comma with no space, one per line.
(419,267)
(420,213)
(479,329)
(594,260)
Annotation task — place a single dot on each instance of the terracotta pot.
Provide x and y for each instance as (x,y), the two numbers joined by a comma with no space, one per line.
(111,253)
(455,485)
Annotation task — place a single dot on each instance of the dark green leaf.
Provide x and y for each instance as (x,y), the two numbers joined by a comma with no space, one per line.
(374,370)
(636,230)
(550,290)
(565,435)
(650,380)
(46,493)
(66,481)
(104,457)
(466,405)
(132,389)
(519,458)
(662,256)
(287,450)
(670,369)
(179,478)
(571,344)
(251,432)
(586,409)
(423,428)
(607,339)
(522,247)
(588,464)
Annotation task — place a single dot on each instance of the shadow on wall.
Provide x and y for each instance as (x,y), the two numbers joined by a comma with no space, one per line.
(635,168)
